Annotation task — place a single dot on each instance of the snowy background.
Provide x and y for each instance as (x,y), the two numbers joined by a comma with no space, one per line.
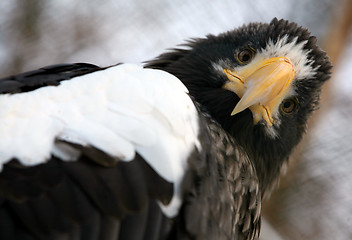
(315,197)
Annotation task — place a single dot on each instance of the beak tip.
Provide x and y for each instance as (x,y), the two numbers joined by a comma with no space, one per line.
(236,110)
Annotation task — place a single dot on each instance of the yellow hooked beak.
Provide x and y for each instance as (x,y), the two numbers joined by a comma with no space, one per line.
(261,86)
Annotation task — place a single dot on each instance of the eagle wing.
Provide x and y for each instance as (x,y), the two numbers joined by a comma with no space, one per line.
(92,153)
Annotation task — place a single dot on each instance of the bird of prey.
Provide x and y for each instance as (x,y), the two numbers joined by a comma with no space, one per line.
(184,147)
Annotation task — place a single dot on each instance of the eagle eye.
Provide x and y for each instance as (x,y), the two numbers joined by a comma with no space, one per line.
(289,105)
(245,56)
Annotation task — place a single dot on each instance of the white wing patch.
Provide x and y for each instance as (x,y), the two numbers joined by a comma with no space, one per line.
(121,110)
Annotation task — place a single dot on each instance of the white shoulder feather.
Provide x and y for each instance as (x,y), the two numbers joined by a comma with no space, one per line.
(121,110)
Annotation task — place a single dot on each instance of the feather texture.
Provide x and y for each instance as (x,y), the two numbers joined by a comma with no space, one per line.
(120,111)
(124,153)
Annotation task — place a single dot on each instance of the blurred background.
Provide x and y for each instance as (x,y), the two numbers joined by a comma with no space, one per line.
(314,200)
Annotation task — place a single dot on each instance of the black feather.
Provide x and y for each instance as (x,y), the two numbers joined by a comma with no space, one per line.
(101,197)
(46,76)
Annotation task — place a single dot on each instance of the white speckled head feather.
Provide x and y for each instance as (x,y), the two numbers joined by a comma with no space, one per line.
(292,50)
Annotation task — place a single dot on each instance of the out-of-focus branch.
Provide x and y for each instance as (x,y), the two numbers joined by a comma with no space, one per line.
(336,39)
(334,44)
(25,19)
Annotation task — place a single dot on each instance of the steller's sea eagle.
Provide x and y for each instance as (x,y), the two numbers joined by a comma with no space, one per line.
(182,148)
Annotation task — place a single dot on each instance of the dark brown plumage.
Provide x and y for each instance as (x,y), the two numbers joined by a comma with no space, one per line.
(100,196)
